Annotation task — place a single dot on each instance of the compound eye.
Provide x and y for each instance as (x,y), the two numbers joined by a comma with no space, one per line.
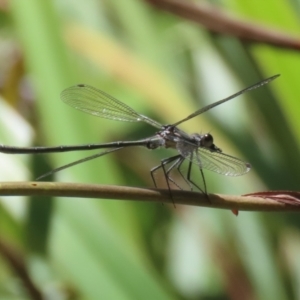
(207,140)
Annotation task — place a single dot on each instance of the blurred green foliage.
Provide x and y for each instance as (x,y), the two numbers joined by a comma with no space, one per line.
(165,67)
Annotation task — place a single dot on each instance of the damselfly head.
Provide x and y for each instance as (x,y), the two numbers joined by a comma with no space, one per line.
(206,141)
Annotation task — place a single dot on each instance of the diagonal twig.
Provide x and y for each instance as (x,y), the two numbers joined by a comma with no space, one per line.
(217,21)
(17,264)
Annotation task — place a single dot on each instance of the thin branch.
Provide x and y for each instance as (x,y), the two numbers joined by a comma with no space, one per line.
(246,203)
(217,21)
(16,262)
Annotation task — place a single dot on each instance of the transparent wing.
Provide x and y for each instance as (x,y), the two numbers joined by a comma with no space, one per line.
(214,161)
(210,106)
(77,162)
(98,103)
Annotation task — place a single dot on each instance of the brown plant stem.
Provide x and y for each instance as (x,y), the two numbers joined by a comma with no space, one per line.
(217,21)
(17,264)
(246,203)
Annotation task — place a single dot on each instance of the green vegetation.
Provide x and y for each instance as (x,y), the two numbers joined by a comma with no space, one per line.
(165,66)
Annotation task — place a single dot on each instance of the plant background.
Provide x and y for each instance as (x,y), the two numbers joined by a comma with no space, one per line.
(165,67)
